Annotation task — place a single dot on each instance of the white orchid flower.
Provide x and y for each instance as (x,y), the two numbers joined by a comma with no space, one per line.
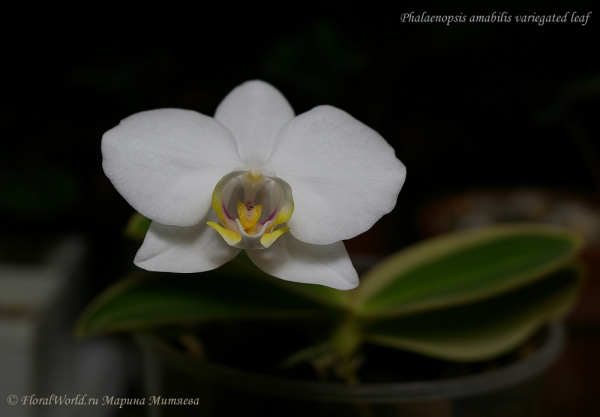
(286,189)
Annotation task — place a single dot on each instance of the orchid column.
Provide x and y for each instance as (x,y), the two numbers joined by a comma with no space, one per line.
(287,189)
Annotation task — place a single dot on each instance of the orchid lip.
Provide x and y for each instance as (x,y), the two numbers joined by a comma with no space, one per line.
(262,201)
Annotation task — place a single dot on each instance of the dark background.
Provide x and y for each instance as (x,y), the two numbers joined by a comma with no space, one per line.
(466,105)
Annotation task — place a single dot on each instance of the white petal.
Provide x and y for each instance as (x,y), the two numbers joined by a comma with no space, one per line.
(254,112)
(183,249)
(343,174)
(296,261)
(166,163)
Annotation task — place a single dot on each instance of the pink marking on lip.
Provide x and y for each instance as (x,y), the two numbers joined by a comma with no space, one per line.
(271,217)
(226,212)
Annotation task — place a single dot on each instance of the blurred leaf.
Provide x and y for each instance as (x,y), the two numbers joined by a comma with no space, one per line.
(484,329)
(137,227)
(155,299)
(570,93)
(464,267)
(312,58)
(40,191)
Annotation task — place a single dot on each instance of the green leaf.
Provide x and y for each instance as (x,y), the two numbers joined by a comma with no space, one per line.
(484,329)
(464,267)
(155,299)
(137,227)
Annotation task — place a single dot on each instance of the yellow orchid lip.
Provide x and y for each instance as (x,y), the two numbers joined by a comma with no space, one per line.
(262,202)
(249,216)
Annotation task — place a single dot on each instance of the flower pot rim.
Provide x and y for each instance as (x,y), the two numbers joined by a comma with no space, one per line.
(448,388)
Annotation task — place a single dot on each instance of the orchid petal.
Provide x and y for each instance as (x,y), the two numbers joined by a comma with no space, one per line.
(166,162)
(293,260)
(183,249)
(254,112)
(344,175)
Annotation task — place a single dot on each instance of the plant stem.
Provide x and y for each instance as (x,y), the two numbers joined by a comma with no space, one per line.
(344,342)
